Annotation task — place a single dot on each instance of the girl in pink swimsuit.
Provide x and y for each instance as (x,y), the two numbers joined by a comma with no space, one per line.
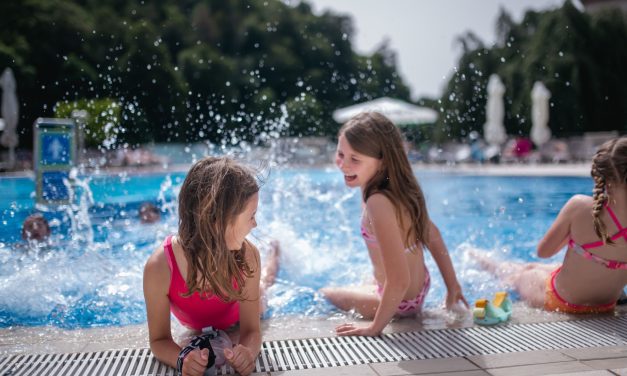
(208,275)
(594,271)
(395,226)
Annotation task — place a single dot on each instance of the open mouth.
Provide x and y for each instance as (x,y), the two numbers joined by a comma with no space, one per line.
(350,178)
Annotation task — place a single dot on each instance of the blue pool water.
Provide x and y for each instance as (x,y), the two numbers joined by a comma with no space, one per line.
(91,273)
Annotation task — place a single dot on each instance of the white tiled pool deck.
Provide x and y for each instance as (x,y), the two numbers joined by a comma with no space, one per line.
(591,361)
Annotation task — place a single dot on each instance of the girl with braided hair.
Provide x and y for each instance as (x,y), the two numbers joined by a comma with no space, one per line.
(594,271)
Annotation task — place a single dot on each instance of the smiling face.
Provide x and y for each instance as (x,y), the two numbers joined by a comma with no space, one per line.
(357,168)
(242,224)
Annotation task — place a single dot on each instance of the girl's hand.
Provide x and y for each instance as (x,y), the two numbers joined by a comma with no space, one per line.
(352,330)
(455,295)
(241,359)
(195,362)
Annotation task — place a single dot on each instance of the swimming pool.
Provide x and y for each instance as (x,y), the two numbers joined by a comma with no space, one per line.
(91,273)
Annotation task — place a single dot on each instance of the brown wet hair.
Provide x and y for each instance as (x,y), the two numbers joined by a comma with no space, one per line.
(214,193)
(374,135)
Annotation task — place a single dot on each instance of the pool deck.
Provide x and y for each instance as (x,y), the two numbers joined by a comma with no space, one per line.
(591,361)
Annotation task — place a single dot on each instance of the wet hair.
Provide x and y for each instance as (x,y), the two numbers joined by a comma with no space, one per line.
(374,135)
(609,166)
(149,213)
(35,227)
(214,193)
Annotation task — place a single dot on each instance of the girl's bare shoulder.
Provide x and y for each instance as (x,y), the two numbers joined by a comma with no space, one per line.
(579,203)
(157,262)
(379,201)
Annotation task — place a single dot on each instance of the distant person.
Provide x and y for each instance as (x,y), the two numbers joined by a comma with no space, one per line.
(35,227)
(149,213)
(395,226)
(477,146)
(209,275)
(594,271)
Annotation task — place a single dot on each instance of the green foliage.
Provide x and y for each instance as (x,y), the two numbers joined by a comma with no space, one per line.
(188,70)
(101,121)
(579,57)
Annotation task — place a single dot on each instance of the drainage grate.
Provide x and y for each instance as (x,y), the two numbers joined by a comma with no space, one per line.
(341,351)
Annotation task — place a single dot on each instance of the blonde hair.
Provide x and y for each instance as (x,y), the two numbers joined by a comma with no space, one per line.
(214,193)
(609,166)
(374,135)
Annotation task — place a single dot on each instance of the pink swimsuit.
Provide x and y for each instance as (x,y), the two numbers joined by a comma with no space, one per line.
(407,307)
(193,311)
(583,249)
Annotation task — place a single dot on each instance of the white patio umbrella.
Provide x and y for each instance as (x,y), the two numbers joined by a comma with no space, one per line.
(398,111)
(493,129)
(10,113)
(540,131)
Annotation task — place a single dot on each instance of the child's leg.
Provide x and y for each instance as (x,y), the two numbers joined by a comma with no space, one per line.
(271,268)
(528,279)
(347,298)
(268,273)
(531,284)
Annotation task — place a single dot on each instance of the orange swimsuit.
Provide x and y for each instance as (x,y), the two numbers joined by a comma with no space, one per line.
(554,302)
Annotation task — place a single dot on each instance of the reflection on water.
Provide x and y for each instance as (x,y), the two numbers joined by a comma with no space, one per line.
(73,283)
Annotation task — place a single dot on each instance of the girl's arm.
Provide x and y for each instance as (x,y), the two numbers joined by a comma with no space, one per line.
(243,356)
(156,285)
(441,256)
(556,236)
(382,215)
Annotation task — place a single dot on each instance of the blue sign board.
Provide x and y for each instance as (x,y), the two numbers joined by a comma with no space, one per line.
(55,151)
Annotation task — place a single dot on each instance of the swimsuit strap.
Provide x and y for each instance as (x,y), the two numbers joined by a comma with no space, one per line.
(610,264)
(614,218)
(169,253)
(621,230)
(368,237)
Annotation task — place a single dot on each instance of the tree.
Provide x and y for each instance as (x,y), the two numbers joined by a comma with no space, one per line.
(576,55)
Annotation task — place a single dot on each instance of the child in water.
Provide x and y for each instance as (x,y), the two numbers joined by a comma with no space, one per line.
(395,226)
(594,271)
(208,275)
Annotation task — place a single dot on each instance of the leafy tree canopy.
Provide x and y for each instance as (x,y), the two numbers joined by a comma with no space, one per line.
(183,70)
(578,56)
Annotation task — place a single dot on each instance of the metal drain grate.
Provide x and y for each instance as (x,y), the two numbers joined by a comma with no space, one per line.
(341,351)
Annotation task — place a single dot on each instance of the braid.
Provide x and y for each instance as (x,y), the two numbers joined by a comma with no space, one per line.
(608,165)
(599,199)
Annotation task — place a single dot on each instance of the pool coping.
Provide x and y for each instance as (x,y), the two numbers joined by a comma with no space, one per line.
(47,339)
(471,350)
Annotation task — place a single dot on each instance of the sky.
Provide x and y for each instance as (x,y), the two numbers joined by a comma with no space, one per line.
(423,32)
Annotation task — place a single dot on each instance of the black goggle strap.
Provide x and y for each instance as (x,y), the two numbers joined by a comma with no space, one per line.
(198,342)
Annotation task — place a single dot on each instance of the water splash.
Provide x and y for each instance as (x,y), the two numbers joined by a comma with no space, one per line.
(80,200)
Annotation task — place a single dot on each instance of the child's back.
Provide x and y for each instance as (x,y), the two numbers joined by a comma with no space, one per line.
(593,272)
